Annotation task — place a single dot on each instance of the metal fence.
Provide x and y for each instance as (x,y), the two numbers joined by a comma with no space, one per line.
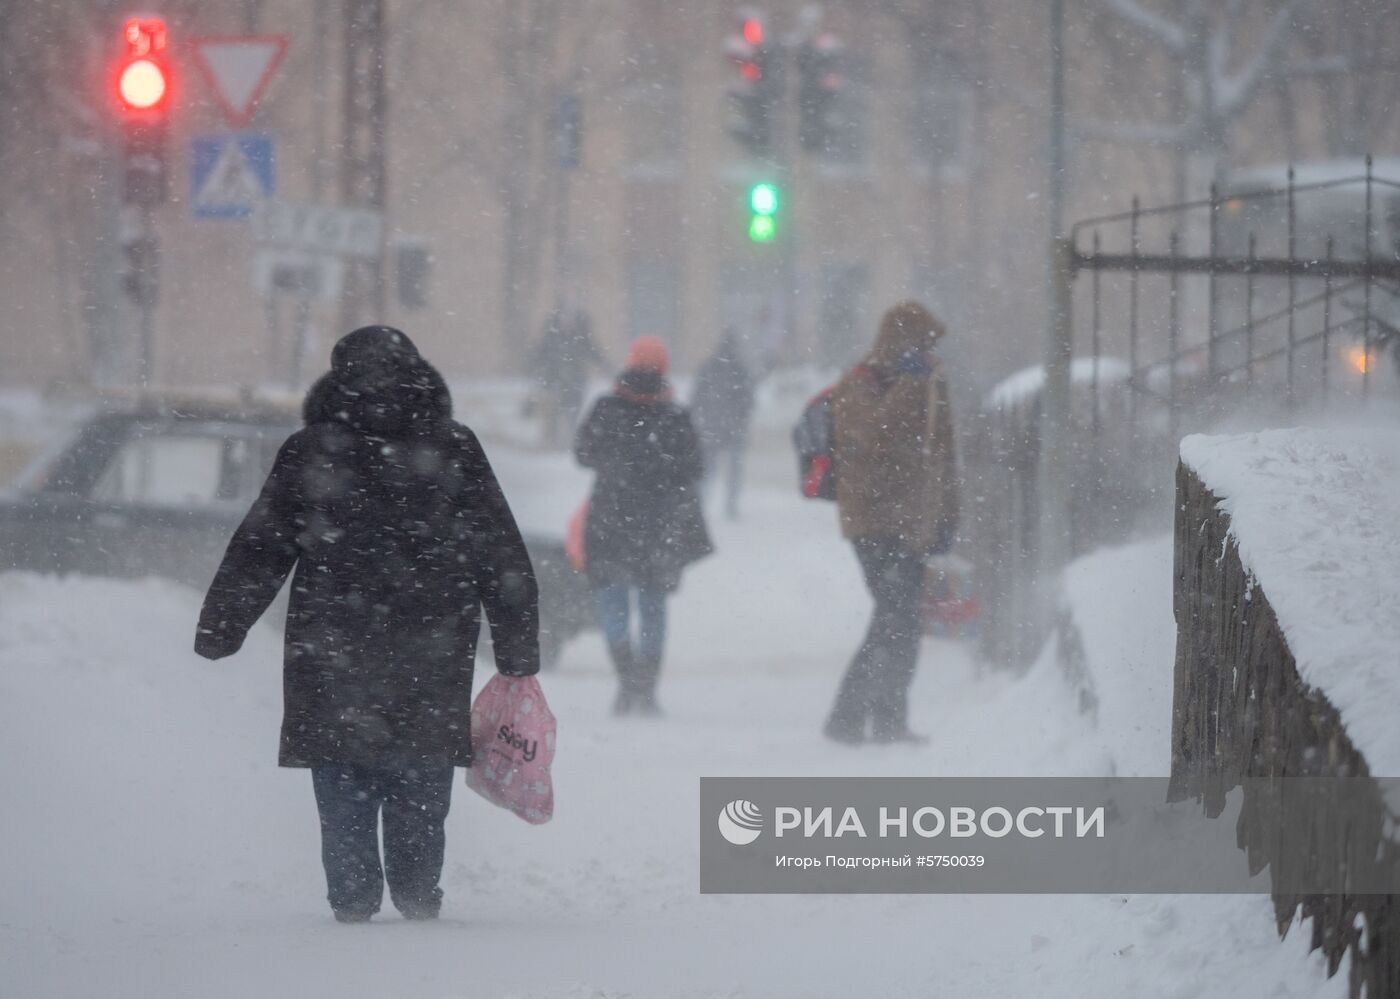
(1241,309)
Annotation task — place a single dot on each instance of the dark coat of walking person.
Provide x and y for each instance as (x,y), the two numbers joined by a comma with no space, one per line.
(723,406)
(390,519)
(897,491)
(644,523)
(560,363)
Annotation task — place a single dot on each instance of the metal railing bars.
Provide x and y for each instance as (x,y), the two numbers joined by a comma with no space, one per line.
(1245,196)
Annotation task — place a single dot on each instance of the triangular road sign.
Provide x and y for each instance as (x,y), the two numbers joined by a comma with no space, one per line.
(238,67)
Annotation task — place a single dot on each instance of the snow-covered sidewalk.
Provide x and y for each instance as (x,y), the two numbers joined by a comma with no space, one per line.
(152,848)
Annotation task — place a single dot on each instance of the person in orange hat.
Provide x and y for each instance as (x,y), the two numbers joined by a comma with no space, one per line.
(644,523)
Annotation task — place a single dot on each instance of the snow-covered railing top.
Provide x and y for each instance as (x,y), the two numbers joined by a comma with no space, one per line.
(1016,390)
(1315,515)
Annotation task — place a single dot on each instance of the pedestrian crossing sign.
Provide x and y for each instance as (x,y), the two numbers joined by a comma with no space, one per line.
(231,174)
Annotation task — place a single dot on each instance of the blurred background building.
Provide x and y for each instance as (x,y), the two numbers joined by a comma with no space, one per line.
(528,156)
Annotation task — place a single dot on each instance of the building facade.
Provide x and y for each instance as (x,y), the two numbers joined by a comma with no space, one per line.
(578,155)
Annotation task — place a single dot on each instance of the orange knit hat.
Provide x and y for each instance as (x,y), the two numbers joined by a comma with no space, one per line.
(649,353)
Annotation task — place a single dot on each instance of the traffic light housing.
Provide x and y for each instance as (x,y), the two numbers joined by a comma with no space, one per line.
(755,94)
(764,203)
(821,79)
(143,85)
(140,268)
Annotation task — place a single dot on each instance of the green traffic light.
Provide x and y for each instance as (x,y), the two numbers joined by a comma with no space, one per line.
(762,229)
(763,199)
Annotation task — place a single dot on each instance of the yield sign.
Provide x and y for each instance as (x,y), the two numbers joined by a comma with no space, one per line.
(238,68)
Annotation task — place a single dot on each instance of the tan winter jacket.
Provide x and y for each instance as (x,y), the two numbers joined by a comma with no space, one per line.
(895,462)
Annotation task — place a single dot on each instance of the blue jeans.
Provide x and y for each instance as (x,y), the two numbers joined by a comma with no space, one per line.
(637,662)
(415,803)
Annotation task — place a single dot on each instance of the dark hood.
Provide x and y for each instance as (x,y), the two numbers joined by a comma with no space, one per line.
(380,385)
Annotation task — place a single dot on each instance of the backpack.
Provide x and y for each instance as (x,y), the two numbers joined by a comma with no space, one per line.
(814,437)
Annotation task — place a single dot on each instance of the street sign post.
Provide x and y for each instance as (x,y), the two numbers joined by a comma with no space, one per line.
(231,174)
(303,253)
(298,274)
(238,68)
(340,232)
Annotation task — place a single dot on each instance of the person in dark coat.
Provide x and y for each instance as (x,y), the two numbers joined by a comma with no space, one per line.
(722,405)
(644,523)
(388,515)
(560,363)
(897,491)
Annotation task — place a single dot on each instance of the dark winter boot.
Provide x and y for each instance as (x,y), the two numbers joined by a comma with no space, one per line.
(418,913)
(648,673)
(626,665)
(844,732)
(902,735)
(890,715)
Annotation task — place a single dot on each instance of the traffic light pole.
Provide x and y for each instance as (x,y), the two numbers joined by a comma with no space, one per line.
(787,183)
(363,177)
(143,86)
(1054,526)
(148,280)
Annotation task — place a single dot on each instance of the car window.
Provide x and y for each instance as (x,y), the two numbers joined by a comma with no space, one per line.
(216,466)
(164,471)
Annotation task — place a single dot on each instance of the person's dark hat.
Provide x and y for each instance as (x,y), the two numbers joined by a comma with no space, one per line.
(372,348)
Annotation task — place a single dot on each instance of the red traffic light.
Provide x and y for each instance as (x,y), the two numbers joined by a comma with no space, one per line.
(753,31)
(142,85)
(143,79)
(144,36)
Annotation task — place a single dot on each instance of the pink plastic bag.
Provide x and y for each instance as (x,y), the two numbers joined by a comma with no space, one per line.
(574,545)
(513,746)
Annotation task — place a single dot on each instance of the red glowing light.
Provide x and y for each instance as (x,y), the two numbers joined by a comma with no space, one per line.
(751,72)
(144,36)
(753,31)
(142,84)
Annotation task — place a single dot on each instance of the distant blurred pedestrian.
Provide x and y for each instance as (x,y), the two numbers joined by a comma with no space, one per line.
(644,522)
(723,405)
(560,363)
(897,491)
(398,534)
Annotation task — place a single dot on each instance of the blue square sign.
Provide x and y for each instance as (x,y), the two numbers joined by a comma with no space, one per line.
(230,174)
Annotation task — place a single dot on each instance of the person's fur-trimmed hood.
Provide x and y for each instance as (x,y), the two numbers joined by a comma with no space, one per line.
(906,328)
(379,384)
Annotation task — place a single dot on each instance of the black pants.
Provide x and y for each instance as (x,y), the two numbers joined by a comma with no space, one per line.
(415,803)
(875,690)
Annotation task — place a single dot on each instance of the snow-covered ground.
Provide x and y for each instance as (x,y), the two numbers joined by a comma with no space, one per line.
(151,848)
(1314,514)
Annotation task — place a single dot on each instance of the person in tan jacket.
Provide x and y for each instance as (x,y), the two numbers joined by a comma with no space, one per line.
(897,492)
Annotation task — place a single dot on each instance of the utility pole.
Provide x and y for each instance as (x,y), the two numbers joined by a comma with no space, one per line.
(320,100)
(1053,472)
(363,173)
(567,126)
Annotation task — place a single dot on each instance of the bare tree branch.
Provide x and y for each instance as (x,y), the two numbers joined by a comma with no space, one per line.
(1170,34)
(1235,91)
(1336,65)
(1144,134)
